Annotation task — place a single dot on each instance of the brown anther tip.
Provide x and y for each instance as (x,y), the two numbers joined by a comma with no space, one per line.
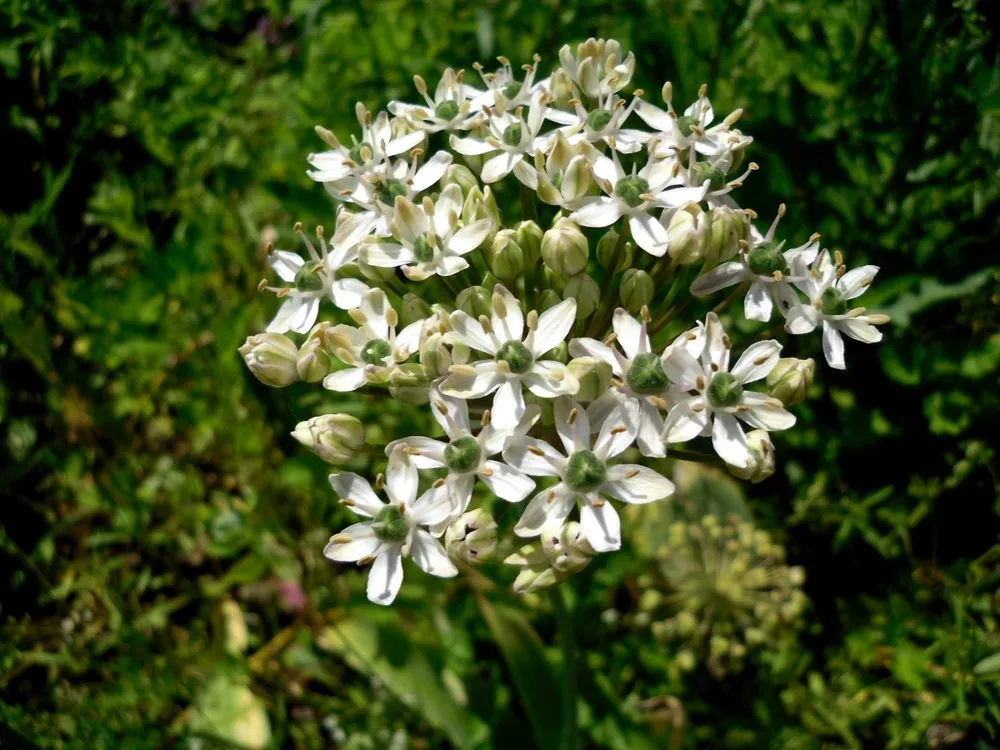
(571,418)
(619,429)
(438,483)
(644,313)
(283,292)
(532,449)
(262,285)
(752,166)
(638,93)
(270,248)
(814,236)
(782,209)
(297,228)
(319,231)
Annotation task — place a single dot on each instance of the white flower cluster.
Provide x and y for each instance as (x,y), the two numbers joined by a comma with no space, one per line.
(546,336)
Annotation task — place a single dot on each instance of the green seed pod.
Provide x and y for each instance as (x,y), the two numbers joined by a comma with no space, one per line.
(565,249)
(528,236)
(272,358)
(472,538)
(457,174)
(409,383)
(313,364)
(790,379)
(594,375)
(585,472)
(724,390)
(586,292)
(636,289)
(505,257)
(606,251)
(475,301)
(336,438)
(413,309)
(645,375)
(390,524)
(517,356)
(462,455)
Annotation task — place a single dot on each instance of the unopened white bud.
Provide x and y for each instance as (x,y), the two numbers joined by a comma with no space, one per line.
(313,364)
(472,537)
(790,379)
(565,249)
(762,463)
(336,438)
(272,358)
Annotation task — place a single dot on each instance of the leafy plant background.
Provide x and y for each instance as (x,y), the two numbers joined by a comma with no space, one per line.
(161,533)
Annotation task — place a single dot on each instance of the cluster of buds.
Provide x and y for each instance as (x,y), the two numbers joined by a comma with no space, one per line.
(580,328)
(729,591)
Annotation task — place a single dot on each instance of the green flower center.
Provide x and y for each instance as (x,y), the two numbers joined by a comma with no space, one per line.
(685,125)
(631,190)
(724,390)
(387,191)
(423,250)
(715,176)
(645,375)
(355,154)
(462,455)
(389,525)
(517,356)
(765,259)
(833,302)
(512,89)
(597,119)
(446,110)
(512,135)
(584,471)
(309,278)
(375,352)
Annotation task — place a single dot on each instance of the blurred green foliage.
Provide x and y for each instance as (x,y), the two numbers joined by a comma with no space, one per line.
(149,483)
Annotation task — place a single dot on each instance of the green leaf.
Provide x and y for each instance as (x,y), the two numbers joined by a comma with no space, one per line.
(989,665)
(385,651)
(931,292)
(537,688)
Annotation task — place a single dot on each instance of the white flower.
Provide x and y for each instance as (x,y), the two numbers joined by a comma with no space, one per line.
(584,475)
(340,166)
(513,361)
(504,90)
(829,288)
(633,196)
(467,456)
(376,195)
(448,109)
(393,531)
(565,176)
(721,394)
(372,350)
(431,241)
(511,138)
(311,281)
(603,123)
(768,270)
(640,379)
(597,67)
(692,129)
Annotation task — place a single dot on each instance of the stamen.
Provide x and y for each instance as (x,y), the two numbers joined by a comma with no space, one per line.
(619,429)
(632,474)
(535,451)
(485,419)
(532,320)
(379,481)
(365,560)
(571,419)
(437,483)
(347,502)
(699,383)
(485,472)
(462,370)
(357,316)
(441,407)
(341,538)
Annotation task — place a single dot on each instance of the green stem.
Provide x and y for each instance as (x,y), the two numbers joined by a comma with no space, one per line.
(528,209)
(567,642)
(696,456)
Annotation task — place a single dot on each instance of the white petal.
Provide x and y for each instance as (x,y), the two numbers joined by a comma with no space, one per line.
(681,196)
(612,440)
(386,254)
(471,146)
(404,143)
(431,455)
(448,265)
(448,202)
(855,282)
(833,346)
(450,412)
(411,221)
(363,543)
(526,174)
(548,508)
(764,414)
(347,293)
(649,234)
(802,319)
(508,404)
(757,361)
(407,341)
(356,490)
(506,482)
(533,456)
(485,380)
(548,379)
(682,368)
(757,304)
(632,483)
(631,333)
(600,408)
(285,264)
(290,313)
(859,330)
(435,505)
(386,577)
(471,332)
(785,295)
(469,237)
(401,478)
(553,326)
(592,348)
(511,326)
(349,379)
(718,278)
(597,212)
(601,527)
(716,352)
(574,436)
(430,556)
(431,172)
(656,118)
(499,166)
(729,441)
(373,306)
(351,227)
(684,423)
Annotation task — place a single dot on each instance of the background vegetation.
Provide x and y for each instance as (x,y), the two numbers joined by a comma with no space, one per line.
(161,533)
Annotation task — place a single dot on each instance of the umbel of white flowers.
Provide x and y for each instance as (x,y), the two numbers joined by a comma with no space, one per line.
(565,358)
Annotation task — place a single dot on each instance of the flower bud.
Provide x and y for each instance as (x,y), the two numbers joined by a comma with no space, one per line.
(790,379)
(727,228)
(480,204)
(476,161)
(350,271)
(472,538)
(549,298)
(636,289)
(528,236)
(687,235)
(457,174)
(559,353)
(552,559)
(435,356)
(336,438)
(409,383)
(505,257)
(586,292)
(313,364)
(413,309)
(565,249)
(761,464)
(606,251)
(553,280)
(594,375)
(271,357)
(474,302)
(562,88)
